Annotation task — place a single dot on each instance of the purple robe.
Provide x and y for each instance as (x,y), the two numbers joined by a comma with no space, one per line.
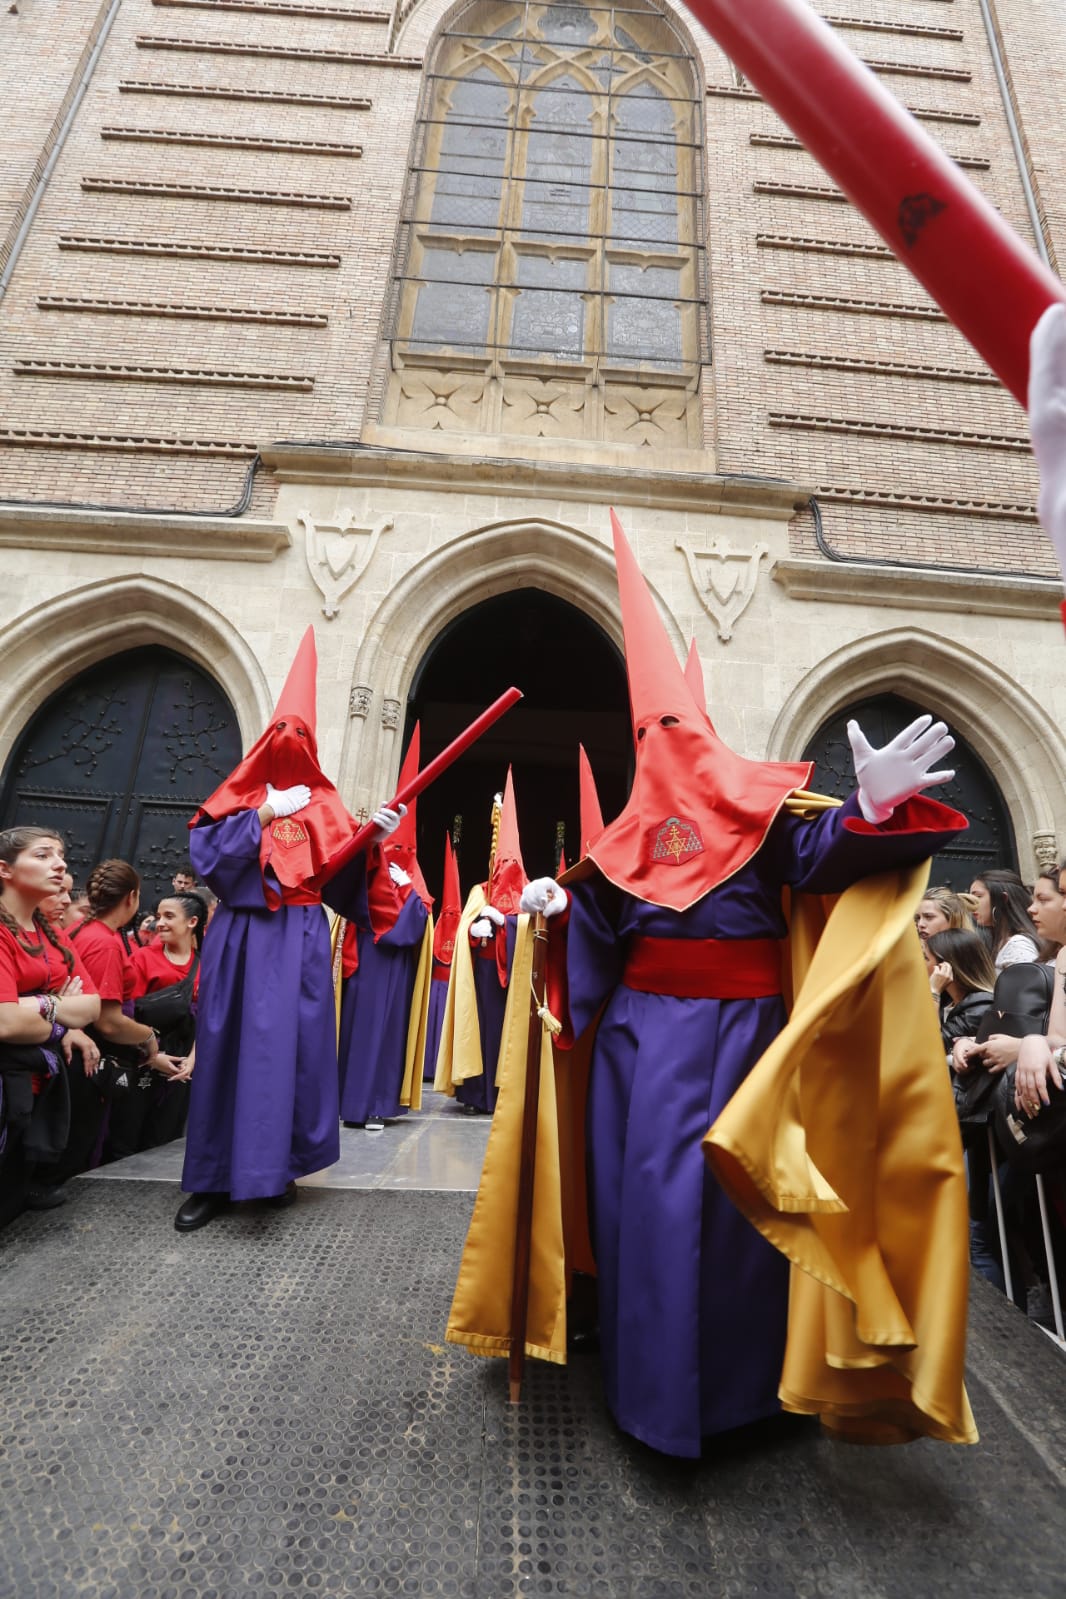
(438,999)
(693,1300)
(263,1099)
(375,1011)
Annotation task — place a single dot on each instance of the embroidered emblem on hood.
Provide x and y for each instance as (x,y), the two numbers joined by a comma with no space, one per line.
(287,833)
(676,840)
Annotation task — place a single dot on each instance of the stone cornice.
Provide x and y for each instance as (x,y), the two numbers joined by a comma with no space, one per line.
(351,466)
(976,593)
(211,538)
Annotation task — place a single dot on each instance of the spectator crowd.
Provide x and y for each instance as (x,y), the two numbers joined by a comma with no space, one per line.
(97,1016)
(98,1021)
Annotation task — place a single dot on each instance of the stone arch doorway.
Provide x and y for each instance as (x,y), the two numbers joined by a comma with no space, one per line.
(574,683)
(118,759)
(990,839)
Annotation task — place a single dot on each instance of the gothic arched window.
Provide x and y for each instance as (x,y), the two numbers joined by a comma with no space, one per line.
(550,278)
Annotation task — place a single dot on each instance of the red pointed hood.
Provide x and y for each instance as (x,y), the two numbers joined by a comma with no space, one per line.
(504,887)
(694,677)
(297,848)
(451,908)
(590,820)
(697,812)
(402,846)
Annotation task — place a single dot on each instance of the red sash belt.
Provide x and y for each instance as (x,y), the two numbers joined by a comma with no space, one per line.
(705,968)
(300,896)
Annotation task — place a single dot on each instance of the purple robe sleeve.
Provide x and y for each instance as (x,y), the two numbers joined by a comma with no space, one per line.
(345,893)
(409,926)
(837,848)
(593,949)
(226,855)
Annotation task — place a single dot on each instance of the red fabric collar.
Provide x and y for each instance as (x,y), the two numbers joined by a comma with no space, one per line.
(298,849)
(696,813)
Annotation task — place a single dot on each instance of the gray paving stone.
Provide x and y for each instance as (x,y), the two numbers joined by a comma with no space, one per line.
(267,1408)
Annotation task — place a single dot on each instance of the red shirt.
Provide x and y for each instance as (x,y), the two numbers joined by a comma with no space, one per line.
(155,970)
(46,973)
(104,956)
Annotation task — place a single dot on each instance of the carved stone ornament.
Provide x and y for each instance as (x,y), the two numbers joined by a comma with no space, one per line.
(1045,848)
(338,553)
(390,713)
(360,700)
(724,579)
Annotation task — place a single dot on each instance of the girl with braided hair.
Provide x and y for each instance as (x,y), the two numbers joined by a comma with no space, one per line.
(46,998)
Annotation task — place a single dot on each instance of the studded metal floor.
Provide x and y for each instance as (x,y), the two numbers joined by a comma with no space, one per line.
(266,1408)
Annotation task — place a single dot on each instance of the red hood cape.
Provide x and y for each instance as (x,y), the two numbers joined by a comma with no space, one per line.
(697,812)
(451,908)
(386,898)
(298,849)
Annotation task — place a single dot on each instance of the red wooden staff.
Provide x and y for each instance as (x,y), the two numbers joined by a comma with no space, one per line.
(987,280)
(421,780)
(527,1165)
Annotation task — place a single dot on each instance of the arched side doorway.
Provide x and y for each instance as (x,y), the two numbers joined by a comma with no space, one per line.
(988,842)
(575,692)
(118,760)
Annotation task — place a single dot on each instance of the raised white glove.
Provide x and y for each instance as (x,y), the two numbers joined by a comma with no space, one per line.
(287,801)
(1047,422)
(493,915)
(544,896)
(387,820)
(398,875)
(482,928)
(900,770)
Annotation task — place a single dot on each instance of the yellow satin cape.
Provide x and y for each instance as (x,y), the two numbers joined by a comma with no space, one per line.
(480,1316)
(842,1146)
(459,1050)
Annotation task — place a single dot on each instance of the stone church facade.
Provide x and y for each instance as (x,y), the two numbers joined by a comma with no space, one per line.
(317,311)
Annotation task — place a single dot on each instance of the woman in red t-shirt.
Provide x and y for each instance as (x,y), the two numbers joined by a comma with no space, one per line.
(161,968)
(46,998)
(114,891)
(169,957)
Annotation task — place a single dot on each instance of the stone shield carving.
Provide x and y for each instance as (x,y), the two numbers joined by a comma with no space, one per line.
(338,553)
(724,579)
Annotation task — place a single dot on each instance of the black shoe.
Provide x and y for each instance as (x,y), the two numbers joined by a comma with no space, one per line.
(584,1341)
(43,1198)
(359,1125)
(198,1210)
(283,1200)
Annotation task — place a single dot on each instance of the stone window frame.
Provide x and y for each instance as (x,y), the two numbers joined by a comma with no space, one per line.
(472,388)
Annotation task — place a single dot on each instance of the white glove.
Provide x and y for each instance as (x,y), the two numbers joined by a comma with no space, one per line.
(544,896)
(287,801)
(482,928)
(900,770)
(493,915)
(387,820)
(1047,422)
(398,875)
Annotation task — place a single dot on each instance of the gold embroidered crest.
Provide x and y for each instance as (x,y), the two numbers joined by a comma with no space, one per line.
(287,833)
(676,840)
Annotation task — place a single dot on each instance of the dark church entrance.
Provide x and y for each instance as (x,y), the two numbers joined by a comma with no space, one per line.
(118,760)
(990,839)
(574,682)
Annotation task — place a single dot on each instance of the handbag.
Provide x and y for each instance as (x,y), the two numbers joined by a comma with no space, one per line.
(165,1007)
(1037,1145)
(1021,1002)
(169,1011)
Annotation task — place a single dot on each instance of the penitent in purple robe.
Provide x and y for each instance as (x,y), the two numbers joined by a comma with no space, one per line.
(438,1000)
(375,1011)
(481,1092)
(263,1100)
(693,1300)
